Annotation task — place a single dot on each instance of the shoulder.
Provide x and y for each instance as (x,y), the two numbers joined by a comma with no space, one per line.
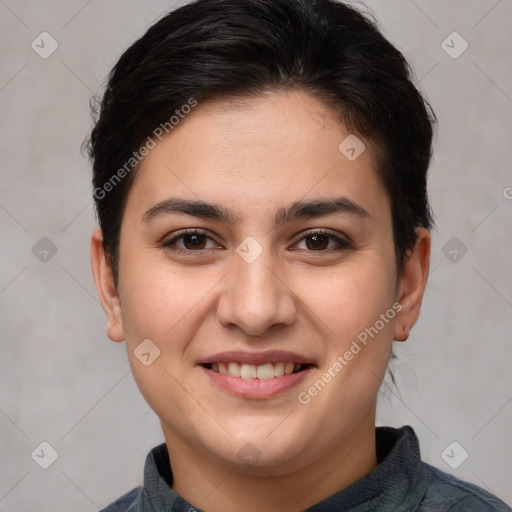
(456,495)
(129,502)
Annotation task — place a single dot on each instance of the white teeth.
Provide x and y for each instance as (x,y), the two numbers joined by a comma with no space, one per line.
(279,369)
(234,369)
(250,371)
(288,368)
(265,371)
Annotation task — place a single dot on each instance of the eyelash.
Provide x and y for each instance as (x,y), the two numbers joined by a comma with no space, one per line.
(342,244)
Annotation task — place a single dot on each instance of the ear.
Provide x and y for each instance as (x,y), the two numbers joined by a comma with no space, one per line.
(412,284)
(104,280)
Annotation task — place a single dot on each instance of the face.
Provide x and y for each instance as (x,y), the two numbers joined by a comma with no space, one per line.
(259,261)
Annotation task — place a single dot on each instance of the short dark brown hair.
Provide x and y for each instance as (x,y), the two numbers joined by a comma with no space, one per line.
(211,49)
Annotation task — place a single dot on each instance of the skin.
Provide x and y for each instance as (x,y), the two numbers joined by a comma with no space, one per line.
(256,157)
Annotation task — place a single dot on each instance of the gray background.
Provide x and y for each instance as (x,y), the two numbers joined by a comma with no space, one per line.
(64,382)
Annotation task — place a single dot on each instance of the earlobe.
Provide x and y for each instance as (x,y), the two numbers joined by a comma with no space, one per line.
(412,284)
(104,280)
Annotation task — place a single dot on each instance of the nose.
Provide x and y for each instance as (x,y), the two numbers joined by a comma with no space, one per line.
(255,296)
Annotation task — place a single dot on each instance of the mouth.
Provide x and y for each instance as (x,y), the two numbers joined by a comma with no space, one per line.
(257,375)
(264,371)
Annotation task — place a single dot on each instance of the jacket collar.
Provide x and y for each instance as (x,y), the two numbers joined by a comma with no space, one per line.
(397,483)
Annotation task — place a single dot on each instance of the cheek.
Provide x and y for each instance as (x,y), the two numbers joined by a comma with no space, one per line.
(165,305)
(158,299)
(349,298)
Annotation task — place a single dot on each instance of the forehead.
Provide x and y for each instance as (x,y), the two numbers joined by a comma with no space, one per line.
(257,152)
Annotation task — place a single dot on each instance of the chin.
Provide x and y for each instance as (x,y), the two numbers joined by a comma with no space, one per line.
(261,453)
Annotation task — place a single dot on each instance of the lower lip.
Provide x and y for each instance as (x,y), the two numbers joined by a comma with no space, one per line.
(256,388)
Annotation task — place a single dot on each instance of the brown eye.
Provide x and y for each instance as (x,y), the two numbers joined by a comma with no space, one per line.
(315,242)
(190,241)
(194,241)
(323,241)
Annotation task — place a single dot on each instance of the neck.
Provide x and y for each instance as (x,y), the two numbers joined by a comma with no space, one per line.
(217,486)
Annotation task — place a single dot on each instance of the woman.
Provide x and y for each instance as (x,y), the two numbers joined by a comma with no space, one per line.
(260,182)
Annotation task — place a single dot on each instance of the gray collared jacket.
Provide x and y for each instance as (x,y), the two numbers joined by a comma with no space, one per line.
(400,483)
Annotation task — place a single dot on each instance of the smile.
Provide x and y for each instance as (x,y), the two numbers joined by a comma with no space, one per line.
(257,375)
(264,371)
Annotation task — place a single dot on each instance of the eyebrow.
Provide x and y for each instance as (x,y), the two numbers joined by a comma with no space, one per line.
(297,210)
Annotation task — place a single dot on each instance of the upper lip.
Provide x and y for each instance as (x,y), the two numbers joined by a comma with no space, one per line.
(256,358)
